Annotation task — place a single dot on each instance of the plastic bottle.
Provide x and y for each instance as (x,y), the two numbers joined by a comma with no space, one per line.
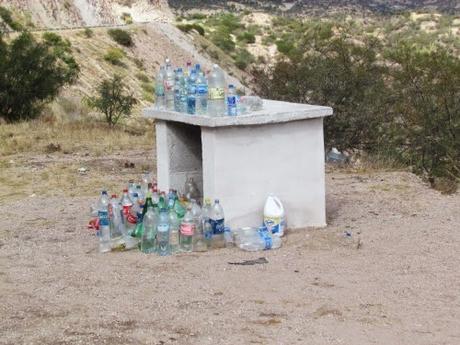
(228,237)
(102,210)
(206,223)
(201,94)
(169,86)
(231,101)
(141,195)
(150,231)
(179,85)
(191,190)
(216,92)
(139,230)
(128,220)
(199,243)
(258,239)
(274,215)
(174,225)
(187,229)
(163,233)
(116,224)
(217,218)
(191,93)
(104,227)
(160,89)
(188,68)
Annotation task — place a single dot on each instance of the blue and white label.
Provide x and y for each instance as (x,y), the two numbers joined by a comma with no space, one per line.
(202,89)
(218,226)
(163,228)
(103,218)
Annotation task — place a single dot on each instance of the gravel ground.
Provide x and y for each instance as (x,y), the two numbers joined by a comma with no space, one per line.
(395,280)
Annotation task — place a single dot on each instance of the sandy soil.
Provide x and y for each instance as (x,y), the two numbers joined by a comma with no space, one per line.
(395,280)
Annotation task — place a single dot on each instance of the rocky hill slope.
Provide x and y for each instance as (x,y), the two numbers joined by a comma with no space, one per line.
(74,13)
(320,6)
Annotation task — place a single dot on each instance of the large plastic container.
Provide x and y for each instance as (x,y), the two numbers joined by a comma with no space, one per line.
(274,215)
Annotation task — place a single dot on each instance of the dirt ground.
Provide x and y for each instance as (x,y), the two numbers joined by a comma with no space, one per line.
(395,280)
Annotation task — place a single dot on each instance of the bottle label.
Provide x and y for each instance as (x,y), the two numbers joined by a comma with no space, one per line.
(231,101)
(103,218)
(187,229)
(274,223)
(168,85)
(216,93)
(202,89)
(264,234)
(217,226)
(160,90)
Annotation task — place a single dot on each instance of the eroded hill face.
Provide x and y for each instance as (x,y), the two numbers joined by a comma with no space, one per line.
(320,6)
(75,13)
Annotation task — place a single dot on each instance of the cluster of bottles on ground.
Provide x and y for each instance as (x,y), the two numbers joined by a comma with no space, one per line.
(190,90)
(168,223)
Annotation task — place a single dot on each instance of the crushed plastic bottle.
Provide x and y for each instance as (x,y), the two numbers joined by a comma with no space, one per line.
(253,239)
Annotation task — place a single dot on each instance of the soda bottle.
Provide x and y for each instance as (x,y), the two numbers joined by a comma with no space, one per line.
(187,229)
(104,227)
(102,209)
(216,92)
(231,101)
(201,94)
(163,229)
(174,225)
(139,230)
(148,241)
(191,93)
(160,89)
(169,86)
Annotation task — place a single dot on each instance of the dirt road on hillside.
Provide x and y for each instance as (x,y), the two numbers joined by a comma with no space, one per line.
(395,280)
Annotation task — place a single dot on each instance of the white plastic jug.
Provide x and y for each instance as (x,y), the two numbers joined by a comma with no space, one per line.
(274,214)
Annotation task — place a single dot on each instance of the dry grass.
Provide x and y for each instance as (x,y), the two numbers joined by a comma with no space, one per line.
(40,158)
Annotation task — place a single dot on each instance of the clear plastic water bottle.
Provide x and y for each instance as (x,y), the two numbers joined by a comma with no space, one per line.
(216,92)
(206,223)
(102,208)
(191,93)
(160,89)
(217,218)
(228,237)
(179,86)
(117,230)
(150,231)
(169,86)
(199,243)
(232,101)
(201,94)
(104,226)
(257,239)
(141,195)
(187,229)
(163,233)
(174,225)
(191,190)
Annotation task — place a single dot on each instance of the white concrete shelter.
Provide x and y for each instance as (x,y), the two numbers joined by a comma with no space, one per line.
(241,159)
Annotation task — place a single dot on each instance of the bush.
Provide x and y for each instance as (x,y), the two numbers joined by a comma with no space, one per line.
(115,56)
(223,40)
(247,37)
(112,100)
(88,33)
(24,91)
(197,16)
(142,77)
(122,37)
(189,27)
(243,58)
(126,17)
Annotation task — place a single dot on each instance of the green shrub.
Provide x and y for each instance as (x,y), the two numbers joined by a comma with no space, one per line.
(223,40)
(142,77)
(24,91)
(122,37)
(115,56)
(189,27)
(243,58)
(197,16)
(126,17)
(246,37)
(88,33)
(113,100)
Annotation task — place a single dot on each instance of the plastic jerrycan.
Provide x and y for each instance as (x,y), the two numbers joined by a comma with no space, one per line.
(274,214)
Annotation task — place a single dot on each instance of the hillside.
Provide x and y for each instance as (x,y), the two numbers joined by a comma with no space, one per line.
(74,13)
(320,6)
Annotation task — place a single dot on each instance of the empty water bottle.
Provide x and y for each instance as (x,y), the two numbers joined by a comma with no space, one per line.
(191,93)
(253,239)
(160,89)
(174,226)
(102,210)
(201,94)
(104,227)
(150,231)
(169,86)
(231,101)
(216,92)
(187,229)
(163,233)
